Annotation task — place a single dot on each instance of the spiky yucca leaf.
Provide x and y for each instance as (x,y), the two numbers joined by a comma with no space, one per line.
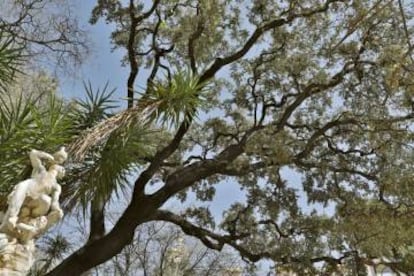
(178,99)
(11,59)
(99,134)
(107,153)
(25,124)
(97,106)
(106,169)
(53,123)
(106,165)
(52,249)
(163,102)
(16,128)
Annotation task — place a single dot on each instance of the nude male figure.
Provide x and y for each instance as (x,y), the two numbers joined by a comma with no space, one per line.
(37,196)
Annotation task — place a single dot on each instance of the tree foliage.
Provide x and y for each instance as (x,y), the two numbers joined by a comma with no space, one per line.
(11,58)
(159,249)
(309,109)
(46,30)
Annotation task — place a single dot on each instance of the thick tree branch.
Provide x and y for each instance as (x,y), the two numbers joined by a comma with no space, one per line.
(158,160)
(132,54)
(206,236)
(142,206)
(97,220)
(194,172)
(216,241)
(209,73)
(100,250)
(320,133)
(221,62)
(193,37)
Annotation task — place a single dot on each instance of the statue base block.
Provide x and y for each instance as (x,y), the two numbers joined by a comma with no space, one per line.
(16,259)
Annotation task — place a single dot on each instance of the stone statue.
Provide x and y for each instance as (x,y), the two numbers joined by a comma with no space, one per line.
(33,207)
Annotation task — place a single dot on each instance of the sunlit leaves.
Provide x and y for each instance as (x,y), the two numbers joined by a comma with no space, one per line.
(314,123)
(328,97)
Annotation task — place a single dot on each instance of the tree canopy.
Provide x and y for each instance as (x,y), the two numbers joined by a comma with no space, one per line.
(46,30)
(253,93)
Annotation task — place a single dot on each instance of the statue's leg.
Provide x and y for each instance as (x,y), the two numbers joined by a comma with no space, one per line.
(53,217)
(40,206)
(24,211)
(15,202)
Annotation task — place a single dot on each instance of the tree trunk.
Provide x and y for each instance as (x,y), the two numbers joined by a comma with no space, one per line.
(97,221)
(102,249)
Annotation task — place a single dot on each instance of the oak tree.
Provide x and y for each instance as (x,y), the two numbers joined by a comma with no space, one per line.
(308,106)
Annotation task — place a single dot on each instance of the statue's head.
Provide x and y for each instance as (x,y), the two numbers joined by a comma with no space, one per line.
(59,170)
(60,156)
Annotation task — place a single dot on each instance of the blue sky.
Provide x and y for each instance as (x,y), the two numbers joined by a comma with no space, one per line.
(101,65)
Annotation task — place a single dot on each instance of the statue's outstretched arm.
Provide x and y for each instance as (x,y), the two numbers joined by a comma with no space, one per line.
(36,157)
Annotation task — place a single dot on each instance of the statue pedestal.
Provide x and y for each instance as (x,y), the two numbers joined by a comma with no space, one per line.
(16,259)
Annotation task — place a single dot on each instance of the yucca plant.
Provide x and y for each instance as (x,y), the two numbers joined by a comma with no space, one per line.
(52,250)
(105,155)
(106,165)
(110,158)
(97,105)
(11,60)
(25,121)
(177,99)
(165,103)
(106,168)
(25,124)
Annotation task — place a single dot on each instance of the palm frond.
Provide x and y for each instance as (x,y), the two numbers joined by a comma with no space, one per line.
(52,123)
(109,153)
(15,132)
(56,247)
